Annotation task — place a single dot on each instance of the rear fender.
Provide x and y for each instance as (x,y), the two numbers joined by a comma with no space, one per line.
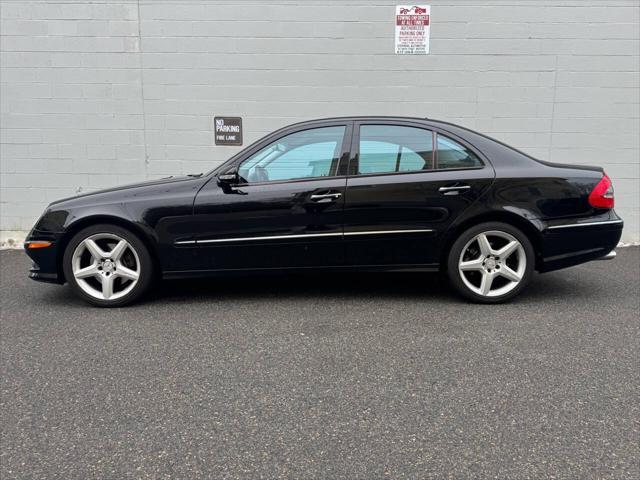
(521,219)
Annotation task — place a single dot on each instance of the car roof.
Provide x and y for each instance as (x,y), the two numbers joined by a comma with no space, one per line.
(446,126)
(354,118)
(424,120)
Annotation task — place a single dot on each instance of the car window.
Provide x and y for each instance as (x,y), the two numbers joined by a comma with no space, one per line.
(392,148)
(306,154)
(453,155)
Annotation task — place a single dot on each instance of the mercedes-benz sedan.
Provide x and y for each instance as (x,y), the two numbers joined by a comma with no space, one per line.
(356,193)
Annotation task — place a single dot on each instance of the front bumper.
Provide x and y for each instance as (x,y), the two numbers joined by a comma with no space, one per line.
(38,276)
(45,267)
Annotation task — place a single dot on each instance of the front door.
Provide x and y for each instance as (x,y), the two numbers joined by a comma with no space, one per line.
(406,185)
(286,208)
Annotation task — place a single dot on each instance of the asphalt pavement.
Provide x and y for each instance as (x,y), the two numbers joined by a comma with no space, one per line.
(357,376)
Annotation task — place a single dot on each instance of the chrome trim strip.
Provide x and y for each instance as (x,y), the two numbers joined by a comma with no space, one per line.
(270,237)
(384,232)
(304,235)
(588,224)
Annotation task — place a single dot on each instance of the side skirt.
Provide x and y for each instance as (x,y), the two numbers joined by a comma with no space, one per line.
(432,267)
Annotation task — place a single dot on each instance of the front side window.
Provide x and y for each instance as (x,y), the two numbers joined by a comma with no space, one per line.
(453,155)
(306,154)
(392,148)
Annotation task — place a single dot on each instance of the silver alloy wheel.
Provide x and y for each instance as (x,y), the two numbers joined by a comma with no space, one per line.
(492,263)
(105,266)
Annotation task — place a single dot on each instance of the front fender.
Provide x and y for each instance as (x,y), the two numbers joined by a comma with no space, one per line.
(58,225)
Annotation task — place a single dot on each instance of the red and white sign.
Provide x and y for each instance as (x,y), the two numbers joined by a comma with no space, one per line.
(412,29)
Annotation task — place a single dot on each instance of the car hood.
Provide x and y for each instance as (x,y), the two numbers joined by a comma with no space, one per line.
(132,187)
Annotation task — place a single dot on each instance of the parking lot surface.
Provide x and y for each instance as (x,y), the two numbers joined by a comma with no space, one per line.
(328,376)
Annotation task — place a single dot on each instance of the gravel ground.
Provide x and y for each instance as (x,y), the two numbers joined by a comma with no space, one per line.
(351,376)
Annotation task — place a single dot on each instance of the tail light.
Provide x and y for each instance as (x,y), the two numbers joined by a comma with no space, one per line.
(602,194)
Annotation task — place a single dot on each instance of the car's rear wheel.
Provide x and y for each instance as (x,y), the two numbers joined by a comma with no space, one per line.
(108,266)
(491,262)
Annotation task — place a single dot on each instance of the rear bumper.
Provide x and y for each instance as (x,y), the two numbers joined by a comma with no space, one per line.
(568,244)
(609,256)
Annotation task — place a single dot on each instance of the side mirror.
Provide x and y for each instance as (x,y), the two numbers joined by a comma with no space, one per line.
(228,179)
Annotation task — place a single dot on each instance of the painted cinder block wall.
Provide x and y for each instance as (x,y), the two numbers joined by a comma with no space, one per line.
(96,94)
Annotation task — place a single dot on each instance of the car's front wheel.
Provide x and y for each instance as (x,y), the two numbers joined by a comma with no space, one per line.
(108,266)
(491,262)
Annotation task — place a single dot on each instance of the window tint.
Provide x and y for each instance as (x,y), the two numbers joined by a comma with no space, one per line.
(391,148)
(306,154)
(453,155)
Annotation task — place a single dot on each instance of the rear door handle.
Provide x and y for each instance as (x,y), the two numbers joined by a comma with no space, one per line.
(454,190)
(325,196)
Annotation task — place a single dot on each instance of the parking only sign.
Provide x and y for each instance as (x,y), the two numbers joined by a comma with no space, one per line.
(412,29)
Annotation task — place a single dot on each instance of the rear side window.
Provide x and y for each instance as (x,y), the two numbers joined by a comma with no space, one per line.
(392,148)
(453,155)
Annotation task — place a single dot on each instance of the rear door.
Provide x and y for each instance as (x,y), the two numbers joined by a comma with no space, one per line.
(406,185)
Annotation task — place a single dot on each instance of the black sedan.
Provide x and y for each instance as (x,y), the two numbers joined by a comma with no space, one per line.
(357,193)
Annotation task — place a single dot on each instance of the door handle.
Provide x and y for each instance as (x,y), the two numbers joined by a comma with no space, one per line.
(325,196)
(454,190)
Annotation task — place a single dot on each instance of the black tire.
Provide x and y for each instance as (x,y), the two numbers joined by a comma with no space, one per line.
(143,262)
(455,253)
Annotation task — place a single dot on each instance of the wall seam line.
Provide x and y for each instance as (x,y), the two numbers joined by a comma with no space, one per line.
(144,113)
(553,109)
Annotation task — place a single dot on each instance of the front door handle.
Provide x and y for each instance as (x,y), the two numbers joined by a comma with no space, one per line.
(325,196)
(454,189)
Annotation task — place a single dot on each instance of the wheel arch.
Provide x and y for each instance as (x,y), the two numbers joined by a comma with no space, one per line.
(85,222)
(513,219)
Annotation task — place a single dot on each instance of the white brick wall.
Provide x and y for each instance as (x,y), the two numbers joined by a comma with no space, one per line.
(106,92)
